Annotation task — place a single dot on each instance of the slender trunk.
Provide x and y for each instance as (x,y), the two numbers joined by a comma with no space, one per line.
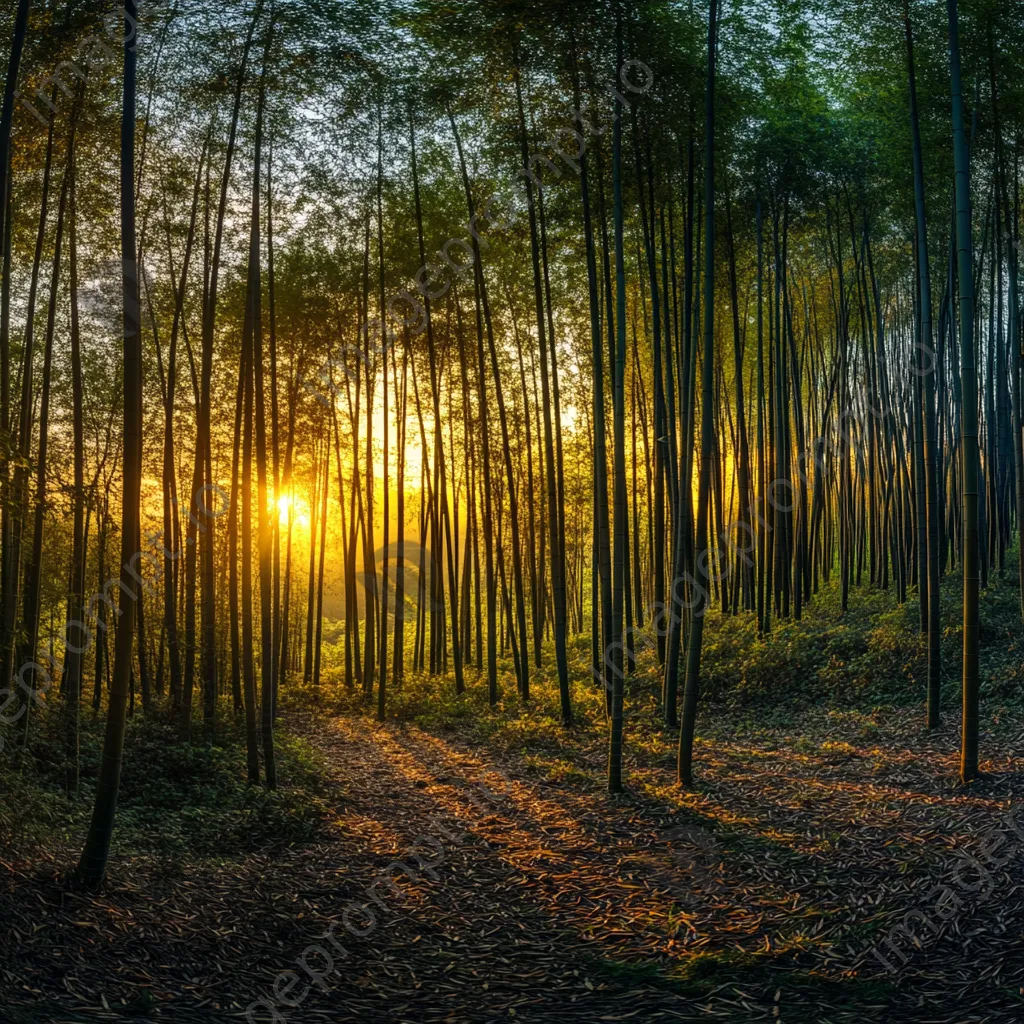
(314,509)
(28,649)
(620,538)
(385,344)
(325,487)
(173,553)
(557,560)
(969,409)
(517,564)
(76,598)
(204,493)
(707,439)
(17,500)
(93,864)
(265,530)
(930,433)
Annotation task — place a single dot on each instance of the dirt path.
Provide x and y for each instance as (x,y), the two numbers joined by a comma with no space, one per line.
(453,889)
(496,924)
(492,925)
(553,887)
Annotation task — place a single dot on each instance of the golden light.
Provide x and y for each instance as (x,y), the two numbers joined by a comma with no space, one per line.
(298,508)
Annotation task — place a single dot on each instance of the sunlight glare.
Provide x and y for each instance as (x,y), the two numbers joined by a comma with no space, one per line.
(300,510)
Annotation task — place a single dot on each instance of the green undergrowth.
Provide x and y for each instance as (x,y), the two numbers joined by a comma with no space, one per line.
(873,652)
(183,802)
(861,662)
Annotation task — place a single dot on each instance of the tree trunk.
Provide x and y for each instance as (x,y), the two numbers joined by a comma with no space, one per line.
(93,864)
(969,409)
(930,434)
(707,440)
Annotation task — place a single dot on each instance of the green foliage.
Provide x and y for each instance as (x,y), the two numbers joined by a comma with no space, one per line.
(176,800)
(873,654)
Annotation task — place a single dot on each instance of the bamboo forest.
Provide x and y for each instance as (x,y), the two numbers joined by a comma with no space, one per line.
(511,510)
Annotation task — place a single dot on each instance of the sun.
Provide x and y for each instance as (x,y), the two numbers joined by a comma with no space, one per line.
(297,507)
(283,504)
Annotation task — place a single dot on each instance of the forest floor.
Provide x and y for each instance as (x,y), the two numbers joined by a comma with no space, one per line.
(827,868)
